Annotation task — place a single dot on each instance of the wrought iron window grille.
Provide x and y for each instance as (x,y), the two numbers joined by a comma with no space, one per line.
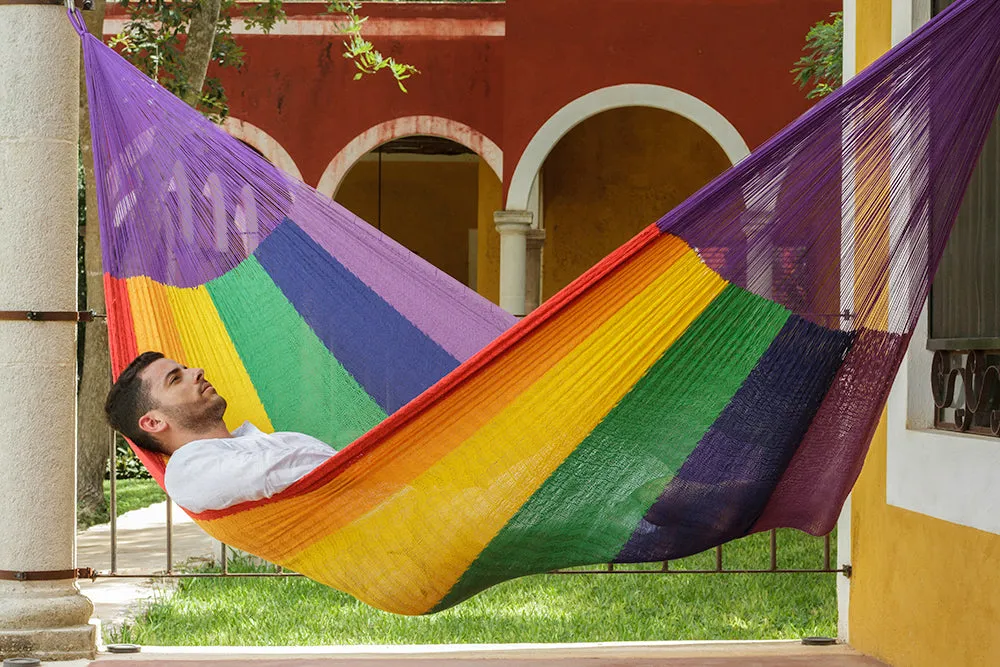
(966,389)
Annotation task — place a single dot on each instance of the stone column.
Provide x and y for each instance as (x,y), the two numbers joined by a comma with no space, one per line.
(39,107)
(513,227)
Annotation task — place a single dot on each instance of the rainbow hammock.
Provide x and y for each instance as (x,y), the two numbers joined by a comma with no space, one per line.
(720,374)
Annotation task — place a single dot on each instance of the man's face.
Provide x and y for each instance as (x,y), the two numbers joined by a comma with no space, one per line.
(182,396)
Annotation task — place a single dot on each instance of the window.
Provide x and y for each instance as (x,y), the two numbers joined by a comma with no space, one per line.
(964,314)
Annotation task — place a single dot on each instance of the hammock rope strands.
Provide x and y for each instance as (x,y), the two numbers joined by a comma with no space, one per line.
(720,374)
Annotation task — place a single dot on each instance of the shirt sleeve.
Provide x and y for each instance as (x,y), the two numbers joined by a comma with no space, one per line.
(284,466)
(210,477)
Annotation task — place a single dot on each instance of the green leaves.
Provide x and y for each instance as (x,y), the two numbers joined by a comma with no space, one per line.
(822,66)
(264,15)
(155,33)
(366,58)
(153,39)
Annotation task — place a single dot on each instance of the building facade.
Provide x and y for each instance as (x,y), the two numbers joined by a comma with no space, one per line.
(584,120)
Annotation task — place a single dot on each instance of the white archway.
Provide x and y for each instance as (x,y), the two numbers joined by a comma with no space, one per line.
(263,142)
(407,126)
(615,97)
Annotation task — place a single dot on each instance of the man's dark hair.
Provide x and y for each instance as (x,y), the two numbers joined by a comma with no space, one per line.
(129,400)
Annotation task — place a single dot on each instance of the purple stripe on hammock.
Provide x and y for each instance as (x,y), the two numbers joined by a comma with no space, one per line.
(185,251)
(816,482)
(455,317)
(726,481)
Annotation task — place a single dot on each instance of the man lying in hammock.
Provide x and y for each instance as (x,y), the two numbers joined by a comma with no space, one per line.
(165,407)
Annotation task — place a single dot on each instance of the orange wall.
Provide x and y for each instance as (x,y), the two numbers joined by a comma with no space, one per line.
(924,592)
(613,175)
(301,90)
(734,55)
(501,67)
(490,200)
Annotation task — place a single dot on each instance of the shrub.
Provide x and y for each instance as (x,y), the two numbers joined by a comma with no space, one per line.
(127,464)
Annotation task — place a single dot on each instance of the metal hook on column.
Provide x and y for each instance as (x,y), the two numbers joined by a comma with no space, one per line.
(75,17)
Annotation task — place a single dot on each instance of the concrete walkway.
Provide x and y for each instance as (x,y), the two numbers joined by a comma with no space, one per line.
(142,547)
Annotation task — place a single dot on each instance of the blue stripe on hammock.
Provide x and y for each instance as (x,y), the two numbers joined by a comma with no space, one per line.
(391,359)
(723,486)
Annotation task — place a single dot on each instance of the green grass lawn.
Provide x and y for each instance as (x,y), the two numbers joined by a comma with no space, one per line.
(544,608)
(132,494)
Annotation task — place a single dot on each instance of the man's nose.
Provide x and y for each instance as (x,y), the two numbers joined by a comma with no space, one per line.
(199,374)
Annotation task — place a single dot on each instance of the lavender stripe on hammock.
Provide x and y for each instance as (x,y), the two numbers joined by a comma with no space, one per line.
(177,184)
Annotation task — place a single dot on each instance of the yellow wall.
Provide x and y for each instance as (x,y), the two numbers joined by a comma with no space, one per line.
(428,206)
(874,31)
(488,256)
(923,591)
(613,175)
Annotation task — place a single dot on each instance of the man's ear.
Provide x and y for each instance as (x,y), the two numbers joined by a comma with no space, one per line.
(152,422)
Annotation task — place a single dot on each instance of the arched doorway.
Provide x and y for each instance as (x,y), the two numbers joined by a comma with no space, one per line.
(612,175)
(424,192)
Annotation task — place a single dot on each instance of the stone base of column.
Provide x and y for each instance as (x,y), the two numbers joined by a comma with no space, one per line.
(48,620)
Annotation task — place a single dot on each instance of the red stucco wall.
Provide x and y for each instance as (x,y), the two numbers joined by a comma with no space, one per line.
(735,55)
(300,89)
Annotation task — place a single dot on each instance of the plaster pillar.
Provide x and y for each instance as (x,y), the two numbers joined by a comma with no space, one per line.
(513,228)
(39,111)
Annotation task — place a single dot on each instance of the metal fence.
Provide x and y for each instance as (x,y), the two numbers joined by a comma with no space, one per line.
(824,550)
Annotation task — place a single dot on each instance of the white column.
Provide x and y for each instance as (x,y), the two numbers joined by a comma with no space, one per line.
(844,553)
(39,108)
(513,227)
(535,242)
(760,254)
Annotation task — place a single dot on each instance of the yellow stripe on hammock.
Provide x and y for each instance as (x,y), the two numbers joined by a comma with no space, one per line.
(153,322)
(209,346)
(278,530)
(505,462)
(153,319)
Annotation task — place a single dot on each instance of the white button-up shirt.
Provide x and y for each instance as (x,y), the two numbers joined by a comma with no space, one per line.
(217,473)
